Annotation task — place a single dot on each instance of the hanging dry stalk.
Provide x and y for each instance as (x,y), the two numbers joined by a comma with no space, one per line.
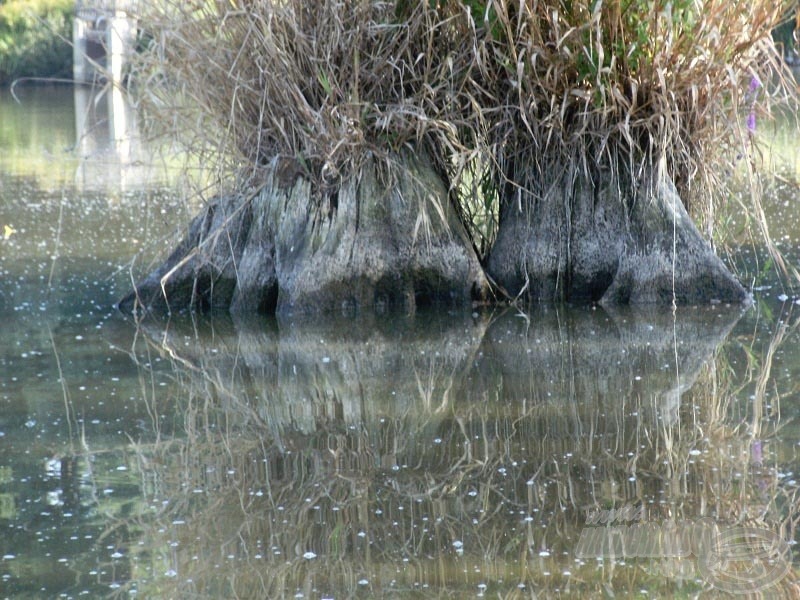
(324,83)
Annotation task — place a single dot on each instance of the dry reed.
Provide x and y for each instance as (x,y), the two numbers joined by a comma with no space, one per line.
(508,93)
(630,86)
(324,83)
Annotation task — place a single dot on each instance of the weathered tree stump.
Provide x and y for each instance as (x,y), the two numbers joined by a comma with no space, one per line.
(607,242)
(389,239)
(386,239)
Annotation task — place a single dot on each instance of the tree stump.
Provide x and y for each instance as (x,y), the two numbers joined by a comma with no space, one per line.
(387,239)
(609,243)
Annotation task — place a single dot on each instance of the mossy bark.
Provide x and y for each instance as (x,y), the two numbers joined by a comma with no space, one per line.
(600,239)
(387,239)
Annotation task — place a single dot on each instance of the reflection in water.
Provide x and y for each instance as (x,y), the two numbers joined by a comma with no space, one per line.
(111,153)
(439,456)
(459,456)
(83,136)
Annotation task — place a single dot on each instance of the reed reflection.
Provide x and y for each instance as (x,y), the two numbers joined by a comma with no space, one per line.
(459,456)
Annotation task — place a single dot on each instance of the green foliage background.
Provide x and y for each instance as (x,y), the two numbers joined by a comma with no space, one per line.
(35,38)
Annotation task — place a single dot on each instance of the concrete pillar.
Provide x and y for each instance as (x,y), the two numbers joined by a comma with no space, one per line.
(79,62)
(104,36)
(120,37)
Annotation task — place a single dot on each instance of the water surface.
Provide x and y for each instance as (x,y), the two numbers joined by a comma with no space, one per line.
(444,455)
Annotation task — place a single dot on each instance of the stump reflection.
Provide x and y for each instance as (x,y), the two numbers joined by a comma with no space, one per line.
(460,456)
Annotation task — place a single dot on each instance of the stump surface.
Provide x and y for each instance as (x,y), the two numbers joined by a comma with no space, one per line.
(585,242)
(385,240)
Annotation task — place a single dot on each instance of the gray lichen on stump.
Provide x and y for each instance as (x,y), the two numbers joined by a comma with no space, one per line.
(387,238)
(603,240)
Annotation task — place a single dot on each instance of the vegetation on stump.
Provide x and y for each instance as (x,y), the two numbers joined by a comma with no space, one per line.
(607,104)
(573,144)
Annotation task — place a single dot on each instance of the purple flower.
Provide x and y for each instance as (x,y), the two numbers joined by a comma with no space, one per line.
(755,83)
(751,122)
(756,452)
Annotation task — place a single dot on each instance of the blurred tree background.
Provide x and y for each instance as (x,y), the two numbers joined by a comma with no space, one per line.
(35,38)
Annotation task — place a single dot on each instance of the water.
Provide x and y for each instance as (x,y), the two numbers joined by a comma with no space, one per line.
(448,455)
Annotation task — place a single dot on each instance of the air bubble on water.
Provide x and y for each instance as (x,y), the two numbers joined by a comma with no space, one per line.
(53,467)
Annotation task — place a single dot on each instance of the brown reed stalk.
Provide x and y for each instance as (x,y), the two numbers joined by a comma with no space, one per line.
(505,92)
(325,83)
(631,85)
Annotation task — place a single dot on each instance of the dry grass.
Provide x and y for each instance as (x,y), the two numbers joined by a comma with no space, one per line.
(631,86)
(324,83)
(500,92)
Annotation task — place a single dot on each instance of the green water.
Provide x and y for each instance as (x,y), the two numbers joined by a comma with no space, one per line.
(445,455)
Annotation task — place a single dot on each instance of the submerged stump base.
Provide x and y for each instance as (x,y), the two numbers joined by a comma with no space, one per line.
(607,245)
(387,239)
